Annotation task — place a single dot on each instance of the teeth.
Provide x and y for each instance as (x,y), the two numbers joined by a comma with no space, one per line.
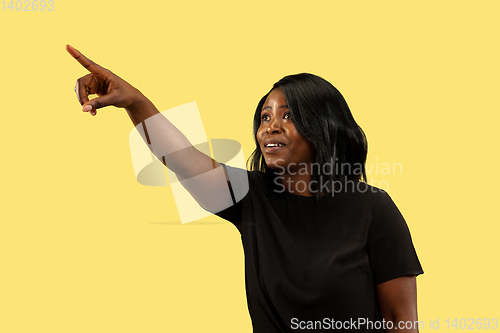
(275,145)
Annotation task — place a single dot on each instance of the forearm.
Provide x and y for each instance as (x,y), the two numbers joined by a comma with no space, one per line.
(141,109)
(397,299)
(166,141)
(203,177)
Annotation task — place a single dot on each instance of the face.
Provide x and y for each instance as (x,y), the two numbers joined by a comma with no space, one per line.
(281,144)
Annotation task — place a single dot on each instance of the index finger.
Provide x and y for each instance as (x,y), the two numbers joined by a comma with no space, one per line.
(91,66)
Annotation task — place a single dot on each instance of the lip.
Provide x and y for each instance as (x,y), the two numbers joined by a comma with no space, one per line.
(273,149)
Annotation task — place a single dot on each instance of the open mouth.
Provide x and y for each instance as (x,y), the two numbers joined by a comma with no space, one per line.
(273,146)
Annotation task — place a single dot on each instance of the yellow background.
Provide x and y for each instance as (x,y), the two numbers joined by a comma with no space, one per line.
(85,248)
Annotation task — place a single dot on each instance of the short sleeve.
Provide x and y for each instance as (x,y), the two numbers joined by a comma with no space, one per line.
(389,245)
(238,187)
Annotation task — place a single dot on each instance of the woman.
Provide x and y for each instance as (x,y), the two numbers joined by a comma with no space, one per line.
(323,250)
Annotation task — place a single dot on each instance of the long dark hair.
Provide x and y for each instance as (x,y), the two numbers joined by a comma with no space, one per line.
(321,115)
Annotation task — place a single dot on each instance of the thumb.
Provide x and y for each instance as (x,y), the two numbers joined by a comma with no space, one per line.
(98,103)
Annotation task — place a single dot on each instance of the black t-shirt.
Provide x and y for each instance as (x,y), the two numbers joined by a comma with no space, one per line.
(309,262)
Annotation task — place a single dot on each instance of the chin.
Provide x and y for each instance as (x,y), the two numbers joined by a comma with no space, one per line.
(275,165)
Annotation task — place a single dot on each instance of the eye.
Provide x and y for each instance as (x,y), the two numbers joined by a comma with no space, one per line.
(264,117)
(287,115)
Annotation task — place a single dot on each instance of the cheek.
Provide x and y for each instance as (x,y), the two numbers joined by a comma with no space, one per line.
(306,147)
(259,135)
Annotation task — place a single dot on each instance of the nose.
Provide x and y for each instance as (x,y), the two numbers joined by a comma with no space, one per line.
(274,126)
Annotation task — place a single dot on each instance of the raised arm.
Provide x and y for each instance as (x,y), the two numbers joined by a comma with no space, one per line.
(202,176)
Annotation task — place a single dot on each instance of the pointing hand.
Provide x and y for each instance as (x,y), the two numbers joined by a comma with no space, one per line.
(111,89)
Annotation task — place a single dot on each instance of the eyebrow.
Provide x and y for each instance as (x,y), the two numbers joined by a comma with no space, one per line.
(269,107)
